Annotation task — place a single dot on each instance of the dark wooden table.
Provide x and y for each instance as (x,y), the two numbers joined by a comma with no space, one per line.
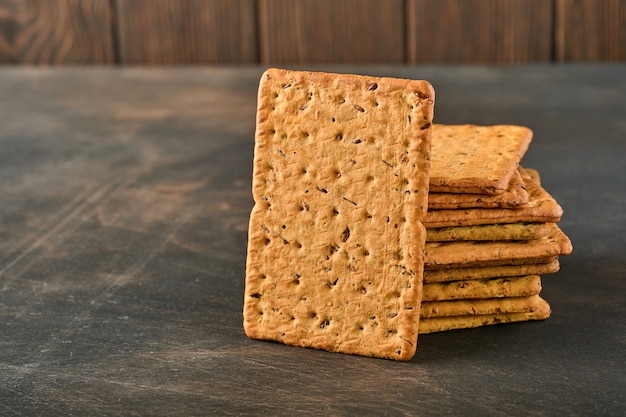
(124,201)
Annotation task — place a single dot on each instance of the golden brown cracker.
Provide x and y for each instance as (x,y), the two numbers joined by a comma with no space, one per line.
(340,184)
(544,266)
(541,208)
(533,174)
(513,197)
(473,253)
(476,159)
(480,307)
(489,232)
(440,324)
(482,288)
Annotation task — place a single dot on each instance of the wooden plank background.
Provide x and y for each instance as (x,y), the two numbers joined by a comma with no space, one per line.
(56,32)
(332,31)
(184,32)
(475,31)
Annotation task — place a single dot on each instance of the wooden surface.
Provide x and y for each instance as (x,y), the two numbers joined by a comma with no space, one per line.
(125,197)
(178,32)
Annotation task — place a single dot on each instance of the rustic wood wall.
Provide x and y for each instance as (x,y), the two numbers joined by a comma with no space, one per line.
(132,32)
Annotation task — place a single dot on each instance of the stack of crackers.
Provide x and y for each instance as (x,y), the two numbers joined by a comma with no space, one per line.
(491,230)
(346,246)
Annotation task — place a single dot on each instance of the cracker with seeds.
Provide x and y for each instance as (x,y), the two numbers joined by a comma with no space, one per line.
(482,288)
(440,324)
(490,232)
(480,307)
(474,253)
(541,207)
(544,266)
(513,197)
(476,159)
(340,186)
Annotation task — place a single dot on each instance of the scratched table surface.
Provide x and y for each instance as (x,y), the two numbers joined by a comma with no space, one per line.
(124,202)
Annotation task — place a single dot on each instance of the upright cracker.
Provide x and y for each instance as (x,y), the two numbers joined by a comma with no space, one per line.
(473,253)
(513,197)
(541,207)
(476,159)
(340,184)
(440,324)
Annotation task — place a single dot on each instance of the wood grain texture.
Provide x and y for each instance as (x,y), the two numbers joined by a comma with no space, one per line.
(61,32)
(56,32)
(187,31)
(479,31)
(590,30)
(331,31)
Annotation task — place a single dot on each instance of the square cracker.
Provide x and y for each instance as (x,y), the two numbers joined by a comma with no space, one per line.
(476,159)
(490,232)
(440,324)
(513,197)
(474,253)
(340,185)
(533,174)
(541,207)
(482,288)
(480,307)
(545,266)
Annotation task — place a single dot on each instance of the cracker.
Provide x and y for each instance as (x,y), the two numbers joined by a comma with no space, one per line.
(541,208)
(480,307)
(482,288)
(533,174)
(489,232)
(340,185)
(473,253)
(491,263)
(440,324)
(476,159)
(546,266)
(513,197)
